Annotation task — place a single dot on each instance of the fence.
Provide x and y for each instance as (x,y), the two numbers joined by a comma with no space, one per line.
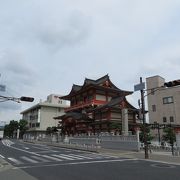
(94,142)
(108,141)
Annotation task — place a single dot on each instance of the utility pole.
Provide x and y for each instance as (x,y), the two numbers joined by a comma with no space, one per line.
(144,122)
(141,87)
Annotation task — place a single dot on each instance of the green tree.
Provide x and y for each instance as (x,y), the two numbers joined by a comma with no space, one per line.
(11,128)
(148,132)
(51,130)
(22,127)
(169,135)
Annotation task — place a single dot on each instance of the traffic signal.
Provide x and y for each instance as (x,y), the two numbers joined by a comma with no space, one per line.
(172,83)
(28,99)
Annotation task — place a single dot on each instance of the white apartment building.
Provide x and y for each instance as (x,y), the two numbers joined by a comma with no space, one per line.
(41,115)
(163,102)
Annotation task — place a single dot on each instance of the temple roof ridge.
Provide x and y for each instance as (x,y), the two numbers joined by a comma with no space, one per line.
(97,81)
(76,87)
(102,79)
(103,83)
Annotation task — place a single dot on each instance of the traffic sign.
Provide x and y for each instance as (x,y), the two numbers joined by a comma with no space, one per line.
(139,86)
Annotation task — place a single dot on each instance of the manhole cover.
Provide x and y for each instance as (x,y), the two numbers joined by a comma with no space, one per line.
(162,166)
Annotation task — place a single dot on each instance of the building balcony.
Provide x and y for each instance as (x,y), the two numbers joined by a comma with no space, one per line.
(85,104)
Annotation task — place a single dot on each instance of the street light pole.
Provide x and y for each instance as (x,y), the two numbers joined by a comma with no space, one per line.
(144,123)
(140,87)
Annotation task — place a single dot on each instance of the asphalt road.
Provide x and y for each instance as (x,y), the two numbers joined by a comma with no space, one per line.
(32,161)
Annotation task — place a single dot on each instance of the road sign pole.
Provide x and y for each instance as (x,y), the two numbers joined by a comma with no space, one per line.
(144,123)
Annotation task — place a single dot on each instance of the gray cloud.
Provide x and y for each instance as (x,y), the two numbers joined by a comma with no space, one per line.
(8,106)
(47,46)
(70,31)
(18,74)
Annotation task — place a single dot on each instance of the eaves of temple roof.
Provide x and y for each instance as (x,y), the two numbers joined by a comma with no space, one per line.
(97,84)
(114,102)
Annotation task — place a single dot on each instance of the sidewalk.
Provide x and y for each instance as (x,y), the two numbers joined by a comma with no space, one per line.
(165,157)
(4,165)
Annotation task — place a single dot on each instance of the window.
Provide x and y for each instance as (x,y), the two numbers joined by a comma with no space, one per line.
(60,101)
(33,124)
(154,108)
(168,100)
(37,124)
(164,120)
(171,119)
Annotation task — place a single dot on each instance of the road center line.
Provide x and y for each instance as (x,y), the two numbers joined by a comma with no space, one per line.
(74,163)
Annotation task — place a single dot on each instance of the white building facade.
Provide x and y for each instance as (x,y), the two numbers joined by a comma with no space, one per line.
(41,115)
(163,102)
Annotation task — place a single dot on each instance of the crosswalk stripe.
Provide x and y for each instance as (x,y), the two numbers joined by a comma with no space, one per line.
(15,161)
(2,156)
(70,156)
(56,157)
(52,158)
(84,157)
(28,159)
(63,157)
(7,142)
(39,158)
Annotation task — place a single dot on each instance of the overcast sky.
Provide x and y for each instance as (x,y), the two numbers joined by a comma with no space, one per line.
(46,46)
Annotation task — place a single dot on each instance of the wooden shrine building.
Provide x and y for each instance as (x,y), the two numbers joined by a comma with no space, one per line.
(98,106)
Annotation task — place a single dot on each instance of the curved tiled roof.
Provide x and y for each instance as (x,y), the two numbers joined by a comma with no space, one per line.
(99,84)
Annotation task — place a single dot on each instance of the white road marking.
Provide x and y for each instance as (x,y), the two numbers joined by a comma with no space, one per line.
(84,157)
(70,156)
(15,161)
(39,158)
(52,158)
(34,153)
(75,163)
(7,142)
(62,157)
(2,156)
(46,151)
(95,156)
(26,148)
(28,159)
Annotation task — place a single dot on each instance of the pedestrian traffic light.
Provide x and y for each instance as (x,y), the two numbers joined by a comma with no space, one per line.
(172,83)
(28,99)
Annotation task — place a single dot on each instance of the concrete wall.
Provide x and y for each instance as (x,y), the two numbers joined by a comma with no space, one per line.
(120,145)
(130,143)
(47,117)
